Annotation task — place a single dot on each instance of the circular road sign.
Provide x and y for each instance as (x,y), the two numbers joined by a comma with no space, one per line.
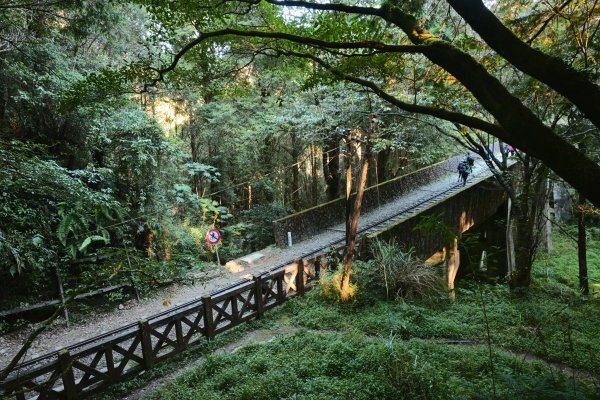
(213,236)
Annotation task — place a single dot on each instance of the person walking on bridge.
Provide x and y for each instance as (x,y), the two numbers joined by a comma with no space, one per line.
(468,161)
(465,167)
(463,170)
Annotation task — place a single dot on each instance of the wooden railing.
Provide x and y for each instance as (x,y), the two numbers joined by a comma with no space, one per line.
(89,367)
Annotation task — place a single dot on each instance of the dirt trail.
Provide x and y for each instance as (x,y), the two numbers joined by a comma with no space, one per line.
(59,335)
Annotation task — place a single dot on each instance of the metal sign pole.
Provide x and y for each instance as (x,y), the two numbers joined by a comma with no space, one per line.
(213,237)
(217,252)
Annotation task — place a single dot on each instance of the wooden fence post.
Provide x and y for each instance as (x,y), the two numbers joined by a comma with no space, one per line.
(300,276)
(281,293)
(258,295)
(208,317)
(318,265)
(146,344)
(110,363)
(61,293)
(65,362)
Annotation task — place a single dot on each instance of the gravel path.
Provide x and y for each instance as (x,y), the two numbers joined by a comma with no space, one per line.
(59,335)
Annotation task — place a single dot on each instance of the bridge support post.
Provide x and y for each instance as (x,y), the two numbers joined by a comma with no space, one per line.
(66,370)
(452,264)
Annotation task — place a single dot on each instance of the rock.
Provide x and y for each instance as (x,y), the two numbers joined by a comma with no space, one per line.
(251,258)
(236,266)
(121,307)
(241,264)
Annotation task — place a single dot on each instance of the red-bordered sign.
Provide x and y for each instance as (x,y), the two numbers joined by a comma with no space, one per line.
(213,236)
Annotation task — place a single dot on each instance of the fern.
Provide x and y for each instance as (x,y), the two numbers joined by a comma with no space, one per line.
(88,240)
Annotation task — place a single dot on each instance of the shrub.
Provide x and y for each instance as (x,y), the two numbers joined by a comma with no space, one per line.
(403,274)
(259,220)
(330,284)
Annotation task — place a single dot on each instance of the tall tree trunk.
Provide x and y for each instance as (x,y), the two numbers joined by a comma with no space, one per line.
(527,220)
(351,234)
(521,276)
(353,227)
(348,183)
(195,159)
(581,247)
(548,222)
(296,204)
(510,240)
(581,239)
(373,175)
(315,175)
(382,164)
(3,102)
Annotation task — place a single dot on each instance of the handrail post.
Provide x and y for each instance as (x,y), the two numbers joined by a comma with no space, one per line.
(281,293)
(318,266)
(65,362)
(300,276)
(146,344)
(208,317)
(258,295)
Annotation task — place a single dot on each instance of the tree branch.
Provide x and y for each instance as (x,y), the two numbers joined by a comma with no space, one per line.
(447,115)
(554,72)
(381,47)
(328,7)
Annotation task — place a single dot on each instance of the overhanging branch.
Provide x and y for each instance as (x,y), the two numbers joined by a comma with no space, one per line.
(371,45)
(462,119)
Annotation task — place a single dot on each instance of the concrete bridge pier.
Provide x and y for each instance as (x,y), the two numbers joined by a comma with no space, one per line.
(478,252)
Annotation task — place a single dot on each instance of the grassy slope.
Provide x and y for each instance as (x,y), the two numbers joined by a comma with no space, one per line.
(387,350)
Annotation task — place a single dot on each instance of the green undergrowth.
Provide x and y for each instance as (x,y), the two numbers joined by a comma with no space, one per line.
(544,345)
(183,360)
(313,365)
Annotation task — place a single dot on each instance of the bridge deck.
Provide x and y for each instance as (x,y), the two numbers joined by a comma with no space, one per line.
(402,207)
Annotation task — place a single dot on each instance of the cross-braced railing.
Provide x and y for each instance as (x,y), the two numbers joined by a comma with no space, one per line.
(89,367)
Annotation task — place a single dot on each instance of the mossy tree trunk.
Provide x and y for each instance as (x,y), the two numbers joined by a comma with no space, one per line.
(527,219)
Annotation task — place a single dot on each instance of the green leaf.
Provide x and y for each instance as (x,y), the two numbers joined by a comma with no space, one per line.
(88,240)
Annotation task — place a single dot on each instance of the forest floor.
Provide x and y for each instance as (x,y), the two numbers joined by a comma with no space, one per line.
(60,335)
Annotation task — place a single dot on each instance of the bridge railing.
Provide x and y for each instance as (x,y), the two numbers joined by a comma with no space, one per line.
(306,223)
(90,366)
